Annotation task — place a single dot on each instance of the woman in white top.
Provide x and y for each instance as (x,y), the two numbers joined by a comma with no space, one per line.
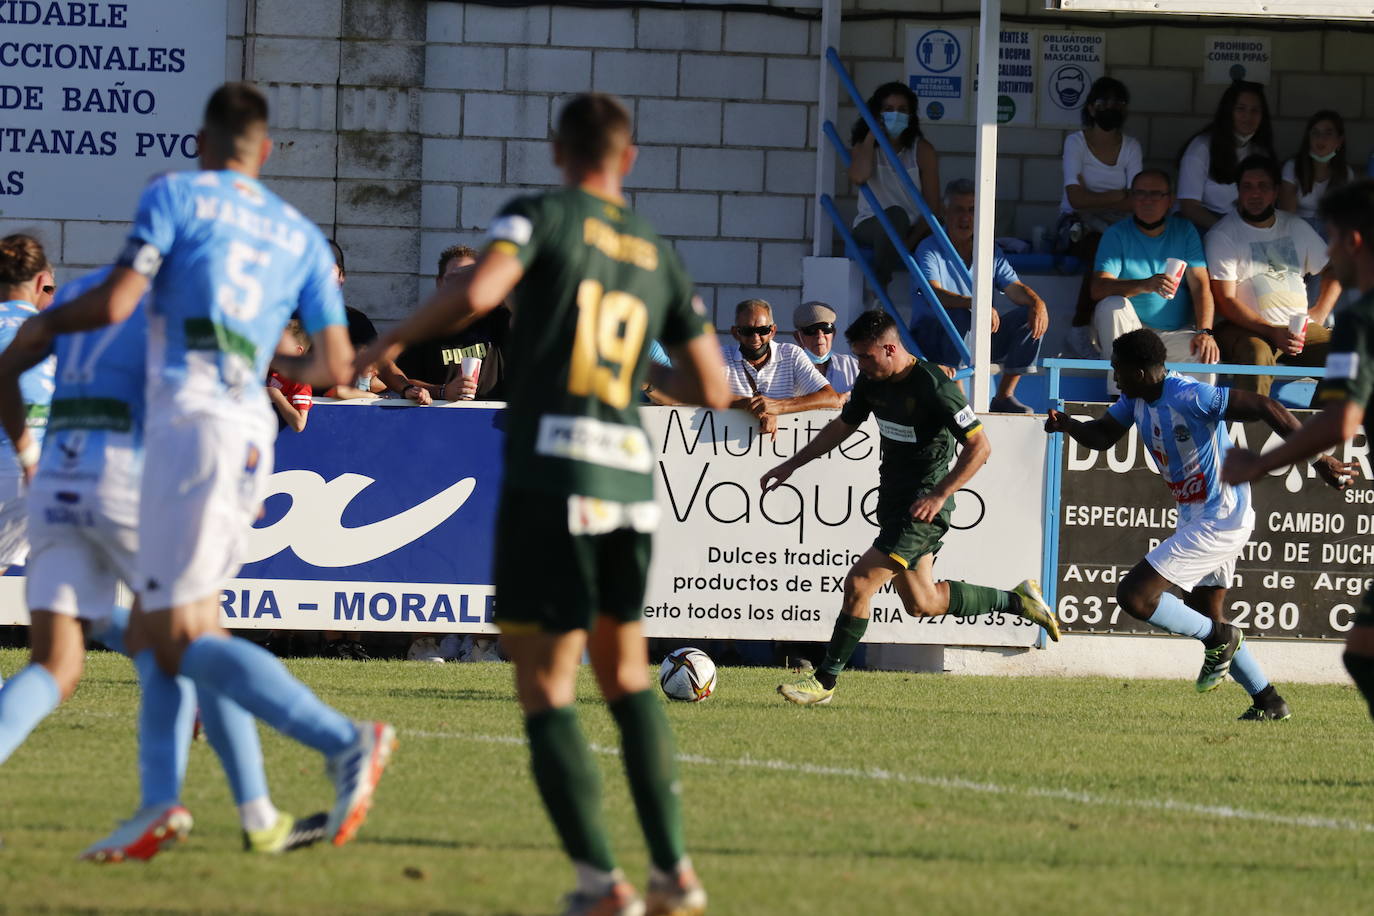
(894,106)
(1207,170)
(1319,164)
(1100,160)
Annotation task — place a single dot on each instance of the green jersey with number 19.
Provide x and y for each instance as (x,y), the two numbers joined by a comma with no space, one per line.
(599,284)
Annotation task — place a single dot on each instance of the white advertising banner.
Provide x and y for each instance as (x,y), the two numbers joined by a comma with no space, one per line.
(937,67)
(1069,63)
(97,97)
(732,562)
(1228,58)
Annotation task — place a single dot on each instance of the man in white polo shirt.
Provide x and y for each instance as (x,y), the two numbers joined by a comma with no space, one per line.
(768,378)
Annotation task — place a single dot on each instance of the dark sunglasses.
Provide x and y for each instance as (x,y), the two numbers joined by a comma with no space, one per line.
(1148,195)
(822,327)
(49,290)
(762,330)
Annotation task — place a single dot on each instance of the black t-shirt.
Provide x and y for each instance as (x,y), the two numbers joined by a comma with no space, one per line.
(439,361)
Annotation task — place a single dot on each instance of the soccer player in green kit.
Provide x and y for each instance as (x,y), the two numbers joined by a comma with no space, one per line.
(592,285)
(920,414)
(1346,388)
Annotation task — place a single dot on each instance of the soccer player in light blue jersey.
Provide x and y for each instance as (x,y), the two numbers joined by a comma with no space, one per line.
(227,263)
(83,524)
(1180,421)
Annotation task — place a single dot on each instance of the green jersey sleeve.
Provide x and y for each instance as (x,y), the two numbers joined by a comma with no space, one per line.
(857,409)
(959,417)
(1350,361)
(519,229)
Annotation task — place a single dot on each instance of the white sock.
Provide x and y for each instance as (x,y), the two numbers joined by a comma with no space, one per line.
(257,814)
(593,881)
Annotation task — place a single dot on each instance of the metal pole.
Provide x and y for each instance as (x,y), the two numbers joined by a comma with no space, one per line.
(828,105)
(989,44)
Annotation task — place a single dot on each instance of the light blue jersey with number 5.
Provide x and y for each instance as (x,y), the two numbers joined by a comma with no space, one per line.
(230,262)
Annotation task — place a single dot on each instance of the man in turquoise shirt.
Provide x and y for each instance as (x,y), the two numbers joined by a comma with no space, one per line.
(1130,282)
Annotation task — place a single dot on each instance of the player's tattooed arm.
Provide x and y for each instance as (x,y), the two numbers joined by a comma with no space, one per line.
(1098,434)
(1247,405)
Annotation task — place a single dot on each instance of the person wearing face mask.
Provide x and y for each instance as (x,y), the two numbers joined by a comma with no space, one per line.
(815,334)
(768,378)
(1319,164)
(1257,258)
(895,106)
(1207,173)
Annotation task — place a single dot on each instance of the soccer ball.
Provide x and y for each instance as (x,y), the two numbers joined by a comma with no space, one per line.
(687,674)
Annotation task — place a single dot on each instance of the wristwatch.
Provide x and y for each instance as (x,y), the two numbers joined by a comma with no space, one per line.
(1208,331)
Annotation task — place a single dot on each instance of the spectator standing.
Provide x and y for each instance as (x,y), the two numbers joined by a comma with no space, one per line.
(1016,333)
(768,378)
(1241,127)
(435,366)
(1130,282)
(290,399)
(1320,164)
(1257,257)
(894,106)
(815,334)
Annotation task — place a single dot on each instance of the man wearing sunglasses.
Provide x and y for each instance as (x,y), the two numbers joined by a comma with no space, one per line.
(815,333)
(768,378)
(1131,282)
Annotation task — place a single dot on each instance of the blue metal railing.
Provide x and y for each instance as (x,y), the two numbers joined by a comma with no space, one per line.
(1049,571)
(899,244)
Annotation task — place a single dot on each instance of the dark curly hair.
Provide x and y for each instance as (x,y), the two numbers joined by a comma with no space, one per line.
(906,138)
(1141,349)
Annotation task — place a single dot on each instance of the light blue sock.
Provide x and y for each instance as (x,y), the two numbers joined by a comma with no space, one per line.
(257,680)
(1173,616)
(165,720)
(25,701)
(1245,668)
(111,632)
(233,733)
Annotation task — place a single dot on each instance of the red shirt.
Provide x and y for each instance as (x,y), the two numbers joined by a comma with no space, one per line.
(299,395)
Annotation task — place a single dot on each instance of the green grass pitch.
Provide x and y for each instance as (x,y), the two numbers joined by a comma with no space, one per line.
(909,794)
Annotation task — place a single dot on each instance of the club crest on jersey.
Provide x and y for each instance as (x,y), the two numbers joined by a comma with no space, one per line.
(1181,433)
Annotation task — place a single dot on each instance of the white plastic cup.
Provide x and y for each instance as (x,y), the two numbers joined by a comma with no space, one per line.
(1298,325)
(1173,269)
(471,367)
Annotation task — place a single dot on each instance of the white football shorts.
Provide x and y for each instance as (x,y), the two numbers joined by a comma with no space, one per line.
(14,522)
(82,548)
(1200,553)
(204,477)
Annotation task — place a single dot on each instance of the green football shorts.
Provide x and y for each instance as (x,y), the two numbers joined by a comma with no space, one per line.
(906,540)
(550,580)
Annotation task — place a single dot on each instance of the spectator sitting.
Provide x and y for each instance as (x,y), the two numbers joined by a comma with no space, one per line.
(1130,285)
(291,399)
(435,367)
(1207,175)
(815,333)
(360,333)
(894,106)
(1320,163)
(1016,334)
(1257,257)
(770,378)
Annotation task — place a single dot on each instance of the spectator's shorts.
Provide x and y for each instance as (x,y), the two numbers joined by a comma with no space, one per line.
(14,514)
(204,479)
(563,560)
(1200,553)
(903,538)
(84,540)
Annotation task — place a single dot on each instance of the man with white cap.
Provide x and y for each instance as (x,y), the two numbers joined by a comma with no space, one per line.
(815,333)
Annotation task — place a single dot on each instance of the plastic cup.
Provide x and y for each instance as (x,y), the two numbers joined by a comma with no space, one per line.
(1173,269)
(1298,325)
(471,367)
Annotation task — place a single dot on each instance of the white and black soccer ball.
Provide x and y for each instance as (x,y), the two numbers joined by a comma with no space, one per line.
(688,675)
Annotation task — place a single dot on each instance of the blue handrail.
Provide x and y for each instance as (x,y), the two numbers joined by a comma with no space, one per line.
(880,134)
(917,275)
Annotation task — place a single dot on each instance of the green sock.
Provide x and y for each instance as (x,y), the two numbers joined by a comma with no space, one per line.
(971,600)
(570,784)
(848,633)
(646,743)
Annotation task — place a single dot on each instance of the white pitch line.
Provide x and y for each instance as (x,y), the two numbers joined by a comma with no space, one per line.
(875,774)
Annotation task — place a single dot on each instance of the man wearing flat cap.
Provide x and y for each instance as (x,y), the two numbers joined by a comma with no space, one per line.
(815,333)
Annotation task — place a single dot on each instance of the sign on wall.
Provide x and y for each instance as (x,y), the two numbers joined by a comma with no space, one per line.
(937,66)
(1302,573)
(1069,63)
(1016,78)
(1228,58)
(95,98)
